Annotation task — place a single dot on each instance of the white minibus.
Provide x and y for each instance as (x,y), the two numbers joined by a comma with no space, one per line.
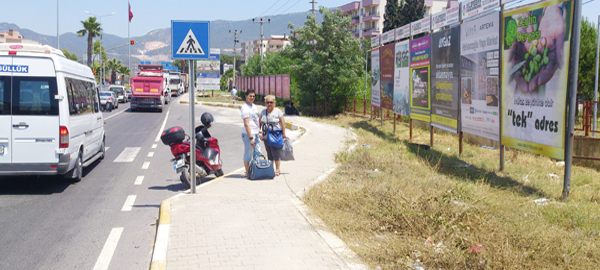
(50,119)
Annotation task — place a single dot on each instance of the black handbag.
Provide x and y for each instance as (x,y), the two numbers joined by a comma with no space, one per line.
(260,168)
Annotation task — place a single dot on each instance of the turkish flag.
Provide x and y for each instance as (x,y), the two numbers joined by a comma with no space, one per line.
(130,13)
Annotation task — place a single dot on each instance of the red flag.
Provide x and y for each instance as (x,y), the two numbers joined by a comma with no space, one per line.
(130,13)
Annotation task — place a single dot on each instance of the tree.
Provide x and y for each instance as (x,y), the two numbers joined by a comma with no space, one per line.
(410,11)
(125,72)
(273,63)
(92,28)
(391,17)
(224,83)
(328,63)
(69,55)
(98,49)
(587,60)
(113,65)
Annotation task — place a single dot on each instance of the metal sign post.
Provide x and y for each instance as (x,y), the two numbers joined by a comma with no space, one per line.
(190,40)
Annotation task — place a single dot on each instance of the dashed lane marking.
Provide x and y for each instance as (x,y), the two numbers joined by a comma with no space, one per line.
(154,146)
(139,180)
(129,203)
(150,154)
(146,165)
(109,249)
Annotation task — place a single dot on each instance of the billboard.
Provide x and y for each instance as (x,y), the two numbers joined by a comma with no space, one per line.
(208,71)
(420,57)
(479,73)
(401,78)
(535,68)
(445,70)
(387,76)
(375,83)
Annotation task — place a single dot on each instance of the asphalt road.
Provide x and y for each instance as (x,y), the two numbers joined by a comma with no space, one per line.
(108,220)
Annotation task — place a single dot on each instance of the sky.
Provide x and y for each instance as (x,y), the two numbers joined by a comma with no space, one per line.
(41,15)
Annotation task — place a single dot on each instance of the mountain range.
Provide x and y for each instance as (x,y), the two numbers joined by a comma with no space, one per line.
(155,46)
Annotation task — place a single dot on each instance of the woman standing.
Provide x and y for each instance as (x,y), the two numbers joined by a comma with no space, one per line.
(272,116)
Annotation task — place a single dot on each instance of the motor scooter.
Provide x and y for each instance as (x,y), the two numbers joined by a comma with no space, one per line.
(208,152)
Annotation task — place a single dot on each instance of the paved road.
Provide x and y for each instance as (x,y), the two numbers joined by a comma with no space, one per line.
(108,220)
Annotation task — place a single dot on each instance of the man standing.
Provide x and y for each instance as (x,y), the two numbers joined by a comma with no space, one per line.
(251,128)
(233,94)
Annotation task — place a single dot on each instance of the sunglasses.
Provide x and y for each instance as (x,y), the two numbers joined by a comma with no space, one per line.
(270,102)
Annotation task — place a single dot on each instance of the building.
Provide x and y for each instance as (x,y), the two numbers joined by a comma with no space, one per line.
(273,43)
(13,36)
(367,15)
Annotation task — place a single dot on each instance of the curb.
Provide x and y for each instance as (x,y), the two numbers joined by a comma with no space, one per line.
(161,242)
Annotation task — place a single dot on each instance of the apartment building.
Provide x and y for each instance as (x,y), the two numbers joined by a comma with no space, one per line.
(367,15)
(273,43)
(13,36)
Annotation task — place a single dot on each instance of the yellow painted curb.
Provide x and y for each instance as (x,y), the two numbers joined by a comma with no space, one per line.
(165,212)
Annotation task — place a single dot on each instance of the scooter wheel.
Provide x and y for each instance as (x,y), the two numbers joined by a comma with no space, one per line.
(185,179)
(219,173)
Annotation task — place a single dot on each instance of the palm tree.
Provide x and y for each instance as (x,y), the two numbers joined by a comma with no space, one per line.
(113,65)
(92,28)
(124,71)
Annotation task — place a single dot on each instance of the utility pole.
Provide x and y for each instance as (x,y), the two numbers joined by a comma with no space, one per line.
(596,80)
(262,21)
(235,40)
(313,7)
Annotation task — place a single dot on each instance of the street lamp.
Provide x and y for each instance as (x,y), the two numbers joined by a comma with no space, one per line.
(100,16)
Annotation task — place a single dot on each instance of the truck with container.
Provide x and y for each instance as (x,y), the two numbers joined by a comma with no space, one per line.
(147,88)
(174,83)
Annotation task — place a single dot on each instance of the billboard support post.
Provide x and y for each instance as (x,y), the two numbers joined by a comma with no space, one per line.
(574,64)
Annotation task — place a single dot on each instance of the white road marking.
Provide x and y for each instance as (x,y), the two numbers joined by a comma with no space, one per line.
(109,249)
(139,180)
(163,126)
(150,154)
(146,165)
(106,148)
(161,244)
(129,203)
(154,146)
(128,154)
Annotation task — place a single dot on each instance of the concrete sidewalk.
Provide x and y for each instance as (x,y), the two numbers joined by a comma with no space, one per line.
(236,223)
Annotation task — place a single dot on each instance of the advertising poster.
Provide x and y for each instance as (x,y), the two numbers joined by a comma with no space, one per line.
(272,85)
(261,85)
(401,79)
(420,57)
(375,76)
(278,82)
(286,87)
(479,70)
(445,70)
(535,54)
(208,71)
(387,76)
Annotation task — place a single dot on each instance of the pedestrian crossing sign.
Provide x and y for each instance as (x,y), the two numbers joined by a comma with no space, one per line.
(190,39)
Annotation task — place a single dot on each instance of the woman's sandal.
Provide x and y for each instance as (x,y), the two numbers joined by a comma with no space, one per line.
(277,173)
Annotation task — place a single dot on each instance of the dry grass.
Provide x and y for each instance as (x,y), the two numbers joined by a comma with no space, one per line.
(219,96)
(397,205)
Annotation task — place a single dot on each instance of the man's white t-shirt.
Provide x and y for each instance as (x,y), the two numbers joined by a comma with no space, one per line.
(250,111)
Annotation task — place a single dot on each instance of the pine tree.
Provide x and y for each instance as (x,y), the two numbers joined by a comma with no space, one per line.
(410,11)
(391,16)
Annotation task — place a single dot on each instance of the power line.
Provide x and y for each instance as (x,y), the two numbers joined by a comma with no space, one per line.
(270,7)
(274,12)
(588,2)
(291,6)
